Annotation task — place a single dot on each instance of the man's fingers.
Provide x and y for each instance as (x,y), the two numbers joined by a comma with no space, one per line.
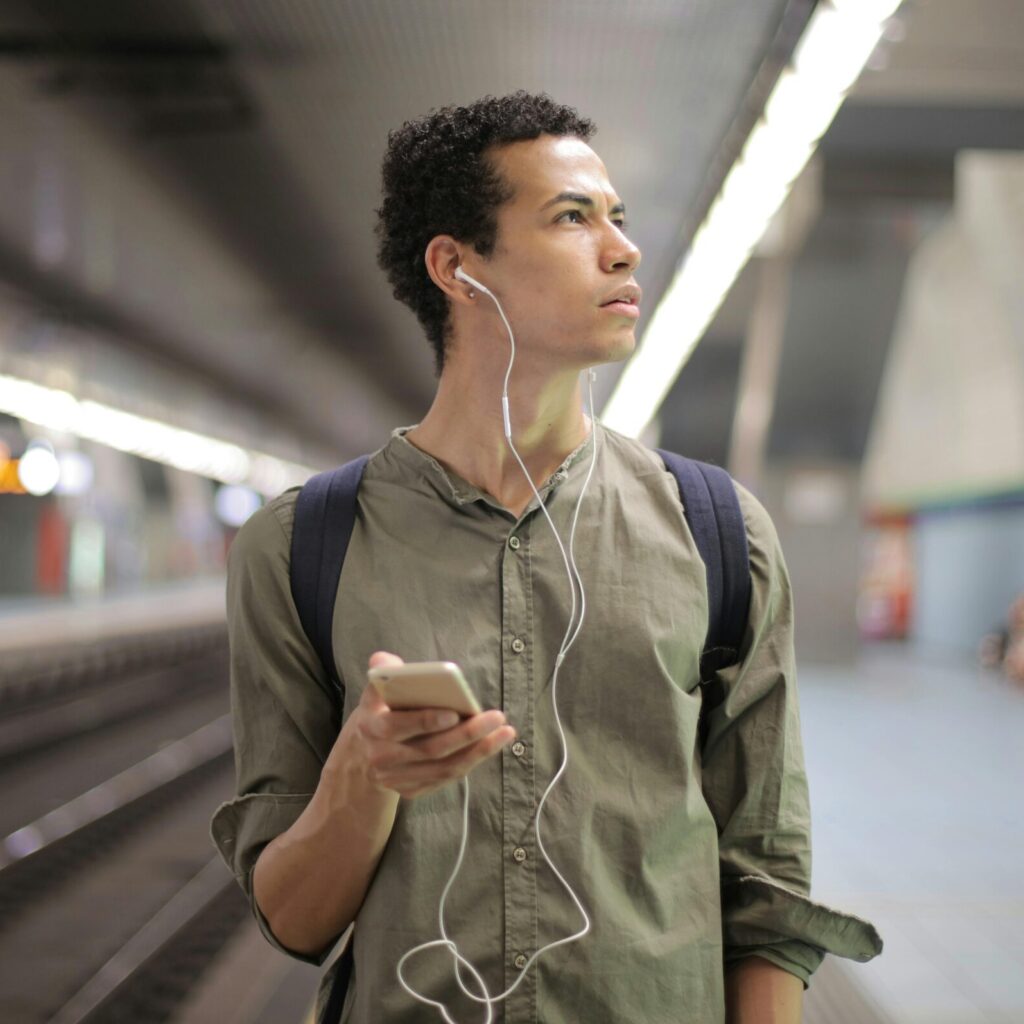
(443,744)
(381,658)
(415,774)
(399,726)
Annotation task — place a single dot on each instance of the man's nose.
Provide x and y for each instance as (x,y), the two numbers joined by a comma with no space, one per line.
(621,252)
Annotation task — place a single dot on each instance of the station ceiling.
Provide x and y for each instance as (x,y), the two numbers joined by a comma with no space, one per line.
(203,175)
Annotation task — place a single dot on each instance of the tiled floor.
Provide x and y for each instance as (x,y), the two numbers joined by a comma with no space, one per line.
(916,766)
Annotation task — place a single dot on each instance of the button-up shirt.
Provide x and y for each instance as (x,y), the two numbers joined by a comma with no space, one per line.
(686,857)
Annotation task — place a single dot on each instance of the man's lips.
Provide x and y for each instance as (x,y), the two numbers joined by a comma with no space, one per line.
(629,309)
(629,294)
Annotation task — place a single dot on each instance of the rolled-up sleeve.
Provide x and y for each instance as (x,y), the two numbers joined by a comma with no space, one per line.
(284,716)
(756,787)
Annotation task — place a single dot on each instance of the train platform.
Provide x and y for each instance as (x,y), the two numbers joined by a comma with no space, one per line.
(37,624)
(915,762)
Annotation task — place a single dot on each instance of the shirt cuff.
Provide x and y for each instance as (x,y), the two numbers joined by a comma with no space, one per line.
(240,829)
(795,957)
(763,918)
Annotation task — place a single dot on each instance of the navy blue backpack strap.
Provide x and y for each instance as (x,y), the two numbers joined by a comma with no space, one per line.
(325,513)
(712,509)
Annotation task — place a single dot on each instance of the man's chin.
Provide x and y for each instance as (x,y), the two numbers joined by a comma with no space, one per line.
(618,350)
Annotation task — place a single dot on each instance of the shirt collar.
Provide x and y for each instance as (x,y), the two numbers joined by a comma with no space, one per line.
(460,492)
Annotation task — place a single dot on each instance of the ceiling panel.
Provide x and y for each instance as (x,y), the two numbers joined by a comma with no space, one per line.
(965,52)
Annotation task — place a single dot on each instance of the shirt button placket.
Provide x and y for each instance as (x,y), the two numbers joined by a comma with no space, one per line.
(518,784)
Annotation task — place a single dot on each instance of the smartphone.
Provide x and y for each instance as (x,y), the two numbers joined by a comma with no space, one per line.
(425,684)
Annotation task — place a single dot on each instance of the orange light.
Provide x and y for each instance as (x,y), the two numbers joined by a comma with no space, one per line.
(9,482)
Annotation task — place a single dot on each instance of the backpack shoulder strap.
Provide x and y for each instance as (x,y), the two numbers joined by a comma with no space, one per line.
(713,512)
(325,514)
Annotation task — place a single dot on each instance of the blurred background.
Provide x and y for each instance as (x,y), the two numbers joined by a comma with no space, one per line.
(830,201)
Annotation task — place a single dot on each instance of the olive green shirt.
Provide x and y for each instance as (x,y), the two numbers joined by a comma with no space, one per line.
(686,859)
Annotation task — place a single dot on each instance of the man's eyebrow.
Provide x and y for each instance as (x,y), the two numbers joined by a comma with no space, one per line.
(578,197)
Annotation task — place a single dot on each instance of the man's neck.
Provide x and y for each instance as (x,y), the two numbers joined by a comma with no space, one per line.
(464,429)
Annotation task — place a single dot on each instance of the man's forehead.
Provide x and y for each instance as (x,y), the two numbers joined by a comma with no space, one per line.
(541,168)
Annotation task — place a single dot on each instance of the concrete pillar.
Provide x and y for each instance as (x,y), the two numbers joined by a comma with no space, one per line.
(816,511)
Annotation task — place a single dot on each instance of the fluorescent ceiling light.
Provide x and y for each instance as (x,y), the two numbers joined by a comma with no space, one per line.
(196,453)
(839,38)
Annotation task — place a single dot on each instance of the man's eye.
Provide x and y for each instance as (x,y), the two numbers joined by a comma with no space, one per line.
(620,223)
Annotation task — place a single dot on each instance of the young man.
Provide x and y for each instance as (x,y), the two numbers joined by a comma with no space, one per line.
(692,861)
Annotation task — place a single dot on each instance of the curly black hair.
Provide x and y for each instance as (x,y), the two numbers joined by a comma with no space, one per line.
(437,180)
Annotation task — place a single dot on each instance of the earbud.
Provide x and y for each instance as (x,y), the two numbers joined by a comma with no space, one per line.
(463,276)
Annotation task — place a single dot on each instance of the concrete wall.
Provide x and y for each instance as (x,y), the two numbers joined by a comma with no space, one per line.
(970,566)
(950,419)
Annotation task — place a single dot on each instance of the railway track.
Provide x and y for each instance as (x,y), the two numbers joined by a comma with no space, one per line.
(112,761)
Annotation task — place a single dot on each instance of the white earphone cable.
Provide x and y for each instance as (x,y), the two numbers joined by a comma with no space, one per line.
(568,639)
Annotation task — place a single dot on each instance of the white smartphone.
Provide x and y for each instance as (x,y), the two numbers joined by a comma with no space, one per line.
(425,684)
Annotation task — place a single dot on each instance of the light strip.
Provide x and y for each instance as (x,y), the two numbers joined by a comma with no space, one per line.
(839,38)
(196,453)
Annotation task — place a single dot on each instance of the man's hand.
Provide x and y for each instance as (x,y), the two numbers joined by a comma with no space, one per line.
(414,752)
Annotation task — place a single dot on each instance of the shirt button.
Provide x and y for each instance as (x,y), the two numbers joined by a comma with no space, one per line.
(519,855)
(518,646)
(520,961)
(513,543)
(518,748)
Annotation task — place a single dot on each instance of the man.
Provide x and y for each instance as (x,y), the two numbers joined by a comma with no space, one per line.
(694,863)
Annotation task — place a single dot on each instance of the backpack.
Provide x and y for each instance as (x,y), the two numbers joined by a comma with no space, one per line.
(711,508)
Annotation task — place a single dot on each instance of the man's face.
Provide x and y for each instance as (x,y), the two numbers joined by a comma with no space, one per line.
(562,254)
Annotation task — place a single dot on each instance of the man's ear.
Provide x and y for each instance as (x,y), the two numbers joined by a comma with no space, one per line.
(442,257)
